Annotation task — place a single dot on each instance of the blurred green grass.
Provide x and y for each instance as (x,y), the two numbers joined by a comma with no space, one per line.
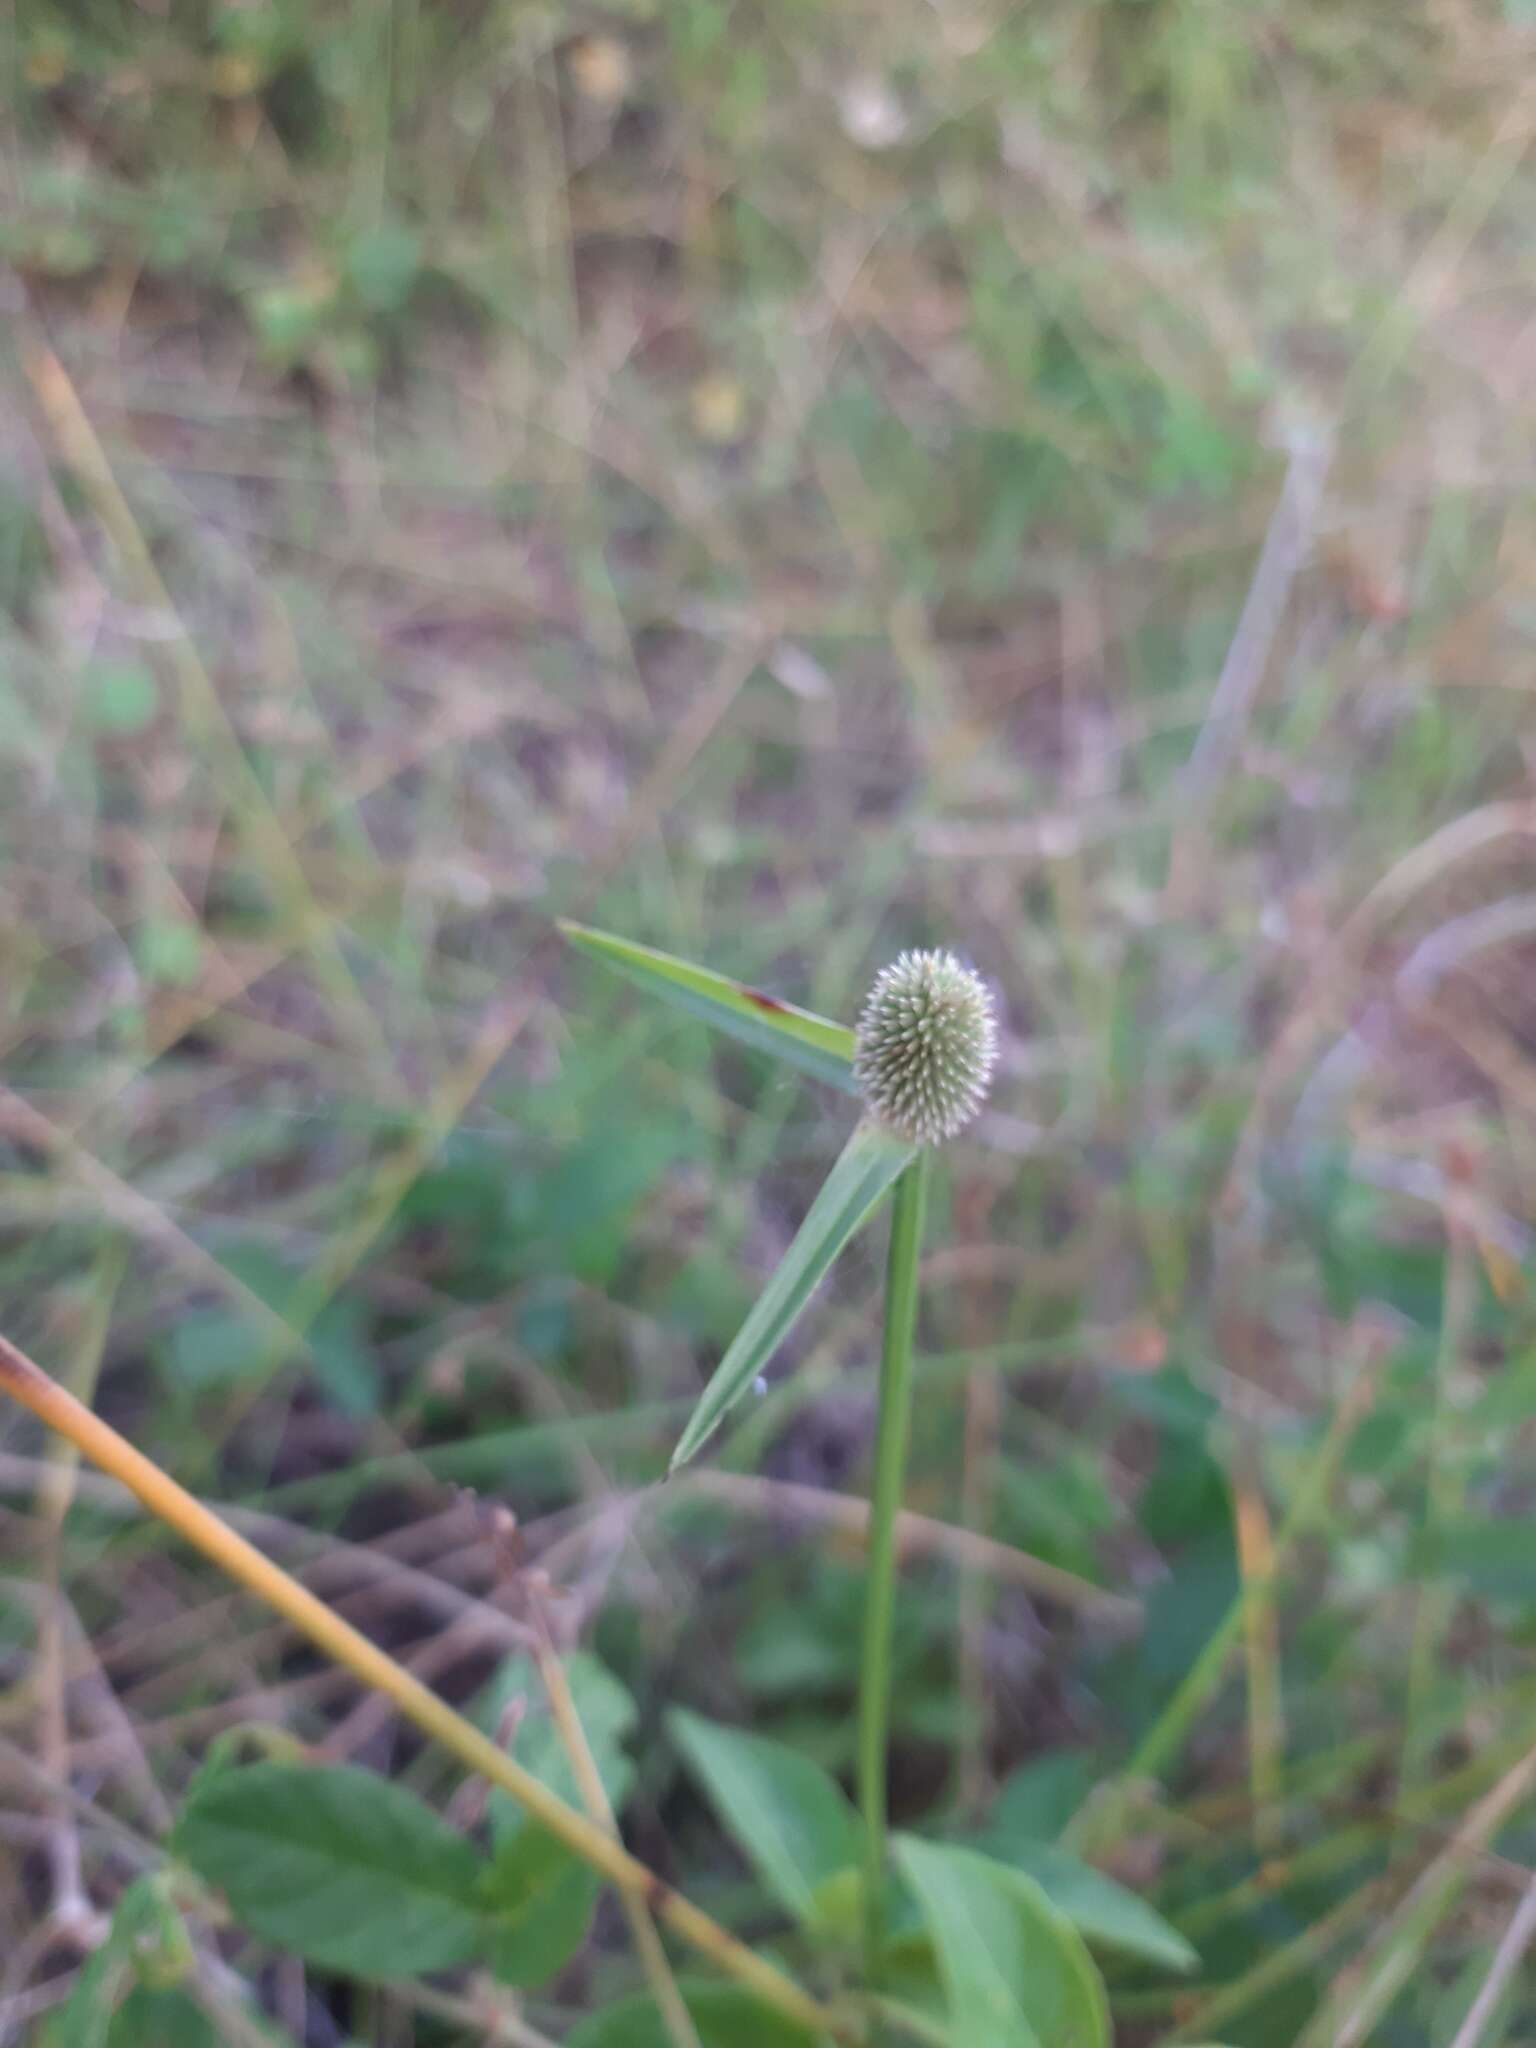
(784,484)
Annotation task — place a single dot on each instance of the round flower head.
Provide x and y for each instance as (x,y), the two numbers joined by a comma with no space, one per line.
(925,1046)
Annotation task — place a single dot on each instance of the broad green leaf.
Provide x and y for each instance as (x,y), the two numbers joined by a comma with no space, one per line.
(540,1906)
(164,2019)
(541,1897)
(788,1816)
(864,1171)
(1035,1801)
(723,2016)
(1015,1971)
(337,1864)
(1032,1809)
(814,1044)
(1103,1912)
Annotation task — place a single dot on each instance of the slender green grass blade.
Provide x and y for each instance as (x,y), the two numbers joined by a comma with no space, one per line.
(814,1044)
(865,1169)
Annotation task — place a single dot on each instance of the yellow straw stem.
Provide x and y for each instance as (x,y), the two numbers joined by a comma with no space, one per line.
(102,1444)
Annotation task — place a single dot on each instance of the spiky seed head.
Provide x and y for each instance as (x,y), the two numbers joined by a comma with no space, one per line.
(925,1046)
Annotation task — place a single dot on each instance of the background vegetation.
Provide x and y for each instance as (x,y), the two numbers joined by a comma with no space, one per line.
(784,483)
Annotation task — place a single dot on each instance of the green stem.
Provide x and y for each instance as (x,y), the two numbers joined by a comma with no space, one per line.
(885,1503)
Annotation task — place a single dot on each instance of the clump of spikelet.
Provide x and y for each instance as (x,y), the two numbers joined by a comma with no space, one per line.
(926,1045)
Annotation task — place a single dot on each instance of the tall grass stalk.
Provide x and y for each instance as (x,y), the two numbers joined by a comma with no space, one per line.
(910,1203)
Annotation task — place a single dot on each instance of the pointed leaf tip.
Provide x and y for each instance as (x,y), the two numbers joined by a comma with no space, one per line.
(816,1045)
(865,1170)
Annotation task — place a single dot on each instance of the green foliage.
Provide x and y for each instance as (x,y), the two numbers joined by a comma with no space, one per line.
(213,1348)
(343,1359)
(1035,1802)
(541,1896)
(1031,1810)
(352,1872)
(790,1819)
(406,336)
(1014,1970)
(343,1867)
(144,2019)
(170,951)
(129,1993)
(23,546)
(347,310)
(722,2016)
(768,1024)
(119,698)
(603,1706)
(1103,1912)
(541,1900)
(866,1170)
(797,1656)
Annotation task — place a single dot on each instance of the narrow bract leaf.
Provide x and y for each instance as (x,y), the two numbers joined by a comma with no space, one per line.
(339,1865)
(814,1044)
(1015,1971)
(789,1817)
(866,1167)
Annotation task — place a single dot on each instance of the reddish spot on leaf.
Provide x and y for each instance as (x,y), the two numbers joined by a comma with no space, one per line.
(763,1002)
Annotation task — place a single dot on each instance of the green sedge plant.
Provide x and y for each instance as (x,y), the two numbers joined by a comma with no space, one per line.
(988,1956)
(921,1062)
(888,1938)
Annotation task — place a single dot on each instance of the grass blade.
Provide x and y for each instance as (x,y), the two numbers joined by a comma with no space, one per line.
(865,1169)
(814,1044)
